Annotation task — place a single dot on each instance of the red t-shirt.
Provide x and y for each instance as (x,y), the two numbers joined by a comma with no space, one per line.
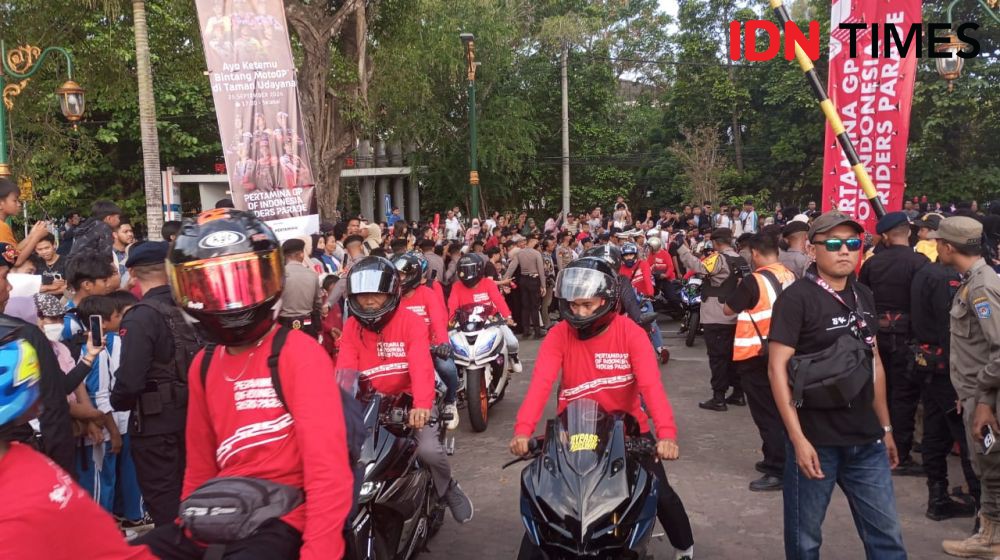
(661,262)
(641,278)
(612,368)
(238,427)
(47,516)
(396,360)
(429,306)
(485,291)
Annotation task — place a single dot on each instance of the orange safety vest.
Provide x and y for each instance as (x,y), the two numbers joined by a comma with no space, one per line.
(747,343)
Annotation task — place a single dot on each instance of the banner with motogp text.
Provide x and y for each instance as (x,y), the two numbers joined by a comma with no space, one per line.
(252,74)
(874,97)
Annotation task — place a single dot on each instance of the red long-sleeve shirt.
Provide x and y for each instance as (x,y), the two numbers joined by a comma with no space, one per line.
(485,291)
(429,306)
(612,368)
(44,514)
(396,360)
(642,279)
(238,427)
(661,262)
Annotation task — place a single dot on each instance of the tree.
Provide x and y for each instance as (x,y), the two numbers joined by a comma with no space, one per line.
(702,163)
(333,82)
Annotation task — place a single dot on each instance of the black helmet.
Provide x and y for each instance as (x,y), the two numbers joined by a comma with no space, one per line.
(471,269)
(610,253)
(226,271)
(588,277)
(373,275)
(630,250)
(410,272)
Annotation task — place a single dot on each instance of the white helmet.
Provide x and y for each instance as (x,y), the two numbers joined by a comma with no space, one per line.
(654,242)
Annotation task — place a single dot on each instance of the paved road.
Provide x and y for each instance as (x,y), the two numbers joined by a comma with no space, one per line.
(718,451)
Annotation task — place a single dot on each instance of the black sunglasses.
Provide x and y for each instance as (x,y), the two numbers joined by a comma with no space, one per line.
(834,245)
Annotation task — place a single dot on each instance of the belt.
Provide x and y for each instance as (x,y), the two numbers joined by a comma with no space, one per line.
(296,323)
(530,275)
(888,320)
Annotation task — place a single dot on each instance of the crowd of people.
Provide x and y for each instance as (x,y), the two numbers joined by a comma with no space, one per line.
(832,336)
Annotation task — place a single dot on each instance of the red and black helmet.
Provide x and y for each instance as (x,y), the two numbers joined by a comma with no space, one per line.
(226,270)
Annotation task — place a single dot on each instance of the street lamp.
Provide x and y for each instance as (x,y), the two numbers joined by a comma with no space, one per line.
(950,67)
(470,65)
(18,66)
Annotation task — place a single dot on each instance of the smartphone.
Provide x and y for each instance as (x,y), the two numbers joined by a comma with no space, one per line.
(988,439)
(96,331)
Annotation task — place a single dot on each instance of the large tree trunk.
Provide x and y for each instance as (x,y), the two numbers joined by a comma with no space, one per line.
(147,124)
(330,133)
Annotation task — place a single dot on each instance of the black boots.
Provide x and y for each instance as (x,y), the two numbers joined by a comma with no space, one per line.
(941,506)
(718,404)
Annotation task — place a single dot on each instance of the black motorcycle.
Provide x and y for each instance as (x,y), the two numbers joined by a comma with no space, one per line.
(398,507)
(691,300)
(586,494)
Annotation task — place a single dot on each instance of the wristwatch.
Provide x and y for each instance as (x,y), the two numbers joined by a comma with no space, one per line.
(887,428)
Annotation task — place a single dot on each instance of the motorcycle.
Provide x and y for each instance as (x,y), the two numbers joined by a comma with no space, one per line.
(398,507)
(667,299)
(586,494)
(691,300)
(480,353)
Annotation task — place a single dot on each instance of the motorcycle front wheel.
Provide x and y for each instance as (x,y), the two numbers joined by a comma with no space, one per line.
(694,323)
(478,397)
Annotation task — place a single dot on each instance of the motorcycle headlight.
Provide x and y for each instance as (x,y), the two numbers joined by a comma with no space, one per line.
(369,489)
(460,350)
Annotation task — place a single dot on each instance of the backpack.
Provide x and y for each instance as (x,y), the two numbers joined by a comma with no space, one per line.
(187,343)
(354,422)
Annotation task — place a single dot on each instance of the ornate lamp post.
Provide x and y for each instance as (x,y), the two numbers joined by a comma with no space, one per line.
(470,64)
(17,68)
(950,67)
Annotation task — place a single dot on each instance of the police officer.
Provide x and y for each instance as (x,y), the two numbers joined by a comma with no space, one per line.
(934,288)
(889,274)
(975,369)
(723,268)
(795,234)
(152,385)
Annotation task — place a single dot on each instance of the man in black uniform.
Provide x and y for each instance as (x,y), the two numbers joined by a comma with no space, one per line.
(933,290)
(152,385)
(889,274)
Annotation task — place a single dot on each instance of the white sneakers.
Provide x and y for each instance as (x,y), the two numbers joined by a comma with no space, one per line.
(515,364)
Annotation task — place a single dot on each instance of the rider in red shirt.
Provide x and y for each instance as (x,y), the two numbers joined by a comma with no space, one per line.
(598,354)
(225,271)
(474,287)
(44,514)
(637,271)
(390,349)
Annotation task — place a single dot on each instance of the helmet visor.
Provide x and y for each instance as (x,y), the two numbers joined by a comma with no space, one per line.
(370,282)
(227,283)
(468,270)
(579,283)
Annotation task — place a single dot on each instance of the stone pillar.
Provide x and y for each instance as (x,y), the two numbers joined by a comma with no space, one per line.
(412,186)
(396,160)
(366,185)
(381,183)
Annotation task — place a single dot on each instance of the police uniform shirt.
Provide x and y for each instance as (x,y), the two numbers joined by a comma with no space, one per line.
(931,294)
(808,319)
(146,339)
(975,335)
(302,294)
(889,274)
(795,261)
(717,269)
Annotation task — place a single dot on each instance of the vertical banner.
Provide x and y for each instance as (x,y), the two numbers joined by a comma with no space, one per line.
(873,96)
(250,66)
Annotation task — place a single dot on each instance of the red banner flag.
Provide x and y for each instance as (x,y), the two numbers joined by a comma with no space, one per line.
(873,96)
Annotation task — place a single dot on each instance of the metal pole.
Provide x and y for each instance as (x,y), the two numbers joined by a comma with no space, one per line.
(565,132)
(473,153)
(833,117)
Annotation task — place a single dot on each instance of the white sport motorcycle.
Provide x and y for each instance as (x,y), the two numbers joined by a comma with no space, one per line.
(480,353)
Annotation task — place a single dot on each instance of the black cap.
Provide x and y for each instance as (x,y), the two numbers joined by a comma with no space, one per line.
(8,255)
(147,253)
(930,220)
(794,227)
(891,221)
(293,246)
(722,233)
(225,203)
